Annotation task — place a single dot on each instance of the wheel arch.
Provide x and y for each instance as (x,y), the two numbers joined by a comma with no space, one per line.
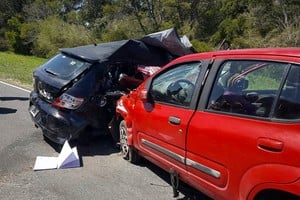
(269,177)
(275,194)
(122,113)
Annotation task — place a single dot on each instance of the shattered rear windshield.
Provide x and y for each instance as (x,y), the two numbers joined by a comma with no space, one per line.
(65,67)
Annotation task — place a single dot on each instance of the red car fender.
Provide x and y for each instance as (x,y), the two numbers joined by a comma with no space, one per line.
(269,176)
(128,120)
(120,108)
(129,137)
(123,111)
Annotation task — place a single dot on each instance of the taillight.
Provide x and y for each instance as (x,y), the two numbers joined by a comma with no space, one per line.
(67,101)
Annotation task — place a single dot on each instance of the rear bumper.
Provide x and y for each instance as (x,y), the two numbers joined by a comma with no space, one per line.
(57,125)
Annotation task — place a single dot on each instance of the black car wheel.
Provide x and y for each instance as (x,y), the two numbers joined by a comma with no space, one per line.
(127,151)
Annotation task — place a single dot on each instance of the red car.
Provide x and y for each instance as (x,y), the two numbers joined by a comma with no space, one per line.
(225,122)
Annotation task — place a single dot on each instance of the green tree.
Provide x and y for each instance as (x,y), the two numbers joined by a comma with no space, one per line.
(54,33)
(210,24)
(232,25)
(13,37)
(9,9)
(277,21)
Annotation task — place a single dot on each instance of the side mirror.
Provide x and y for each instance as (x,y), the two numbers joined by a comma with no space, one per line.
(143,95)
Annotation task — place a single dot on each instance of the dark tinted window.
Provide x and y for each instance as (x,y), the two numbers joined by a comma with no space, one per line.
(247,87)
(288,106)
(176,86)
(64,67)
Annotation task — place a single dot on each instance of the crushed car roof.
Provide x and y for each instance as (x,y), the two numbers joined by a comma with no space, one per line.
(154,49)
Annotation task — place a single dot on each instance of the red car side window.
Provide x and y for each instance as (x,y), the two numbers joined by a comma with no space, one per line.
(176,86)
(247,87)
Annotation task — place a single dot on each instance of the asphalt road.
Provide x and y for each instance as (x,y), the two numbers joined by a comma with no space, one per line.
(103,173)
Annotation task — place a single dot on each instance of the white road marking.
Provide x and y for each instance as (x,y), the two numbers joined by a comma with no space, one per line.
(15,86)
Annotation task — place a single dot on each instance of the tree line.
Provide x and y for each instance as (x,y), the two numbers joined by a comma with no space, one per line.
(41,27)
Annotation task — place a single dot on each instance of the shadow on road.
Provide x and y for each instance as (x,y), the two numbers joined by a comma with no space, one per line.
(101,145)
(7,110)
(10,110)
(104,145)
(14,98)
(188,192)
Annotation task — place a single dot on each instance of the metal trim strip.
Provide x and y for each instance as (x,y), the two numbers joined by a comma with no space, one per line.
(205,169)
(189,162)
(164,151)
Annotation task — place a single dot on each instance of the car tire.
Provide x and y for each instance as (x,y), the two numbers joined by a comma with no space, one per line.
(127,151)
(113,129)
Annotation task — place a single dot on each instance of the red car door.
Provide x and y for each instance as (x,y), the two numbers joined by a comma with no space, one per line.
(161,125)
(232,143)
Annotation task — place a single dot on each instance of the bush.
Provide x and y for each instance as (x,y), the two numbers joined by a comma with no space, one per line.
(54,33)
(201,46)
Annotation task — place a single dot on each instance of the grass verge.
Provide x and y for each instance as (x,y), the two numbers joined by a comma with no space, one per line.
(17,69)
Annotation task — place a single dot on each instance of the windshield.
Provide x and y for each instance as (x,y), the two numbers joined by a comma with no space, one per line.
(65,67)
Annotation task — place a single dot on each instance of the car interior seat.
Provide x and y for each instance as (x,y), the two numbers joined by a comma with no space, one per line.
(238,84)
(234,99)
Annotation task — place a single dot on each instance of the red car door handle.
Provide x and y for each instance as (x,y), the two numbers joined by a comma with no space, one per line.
(269,144)
(174,120)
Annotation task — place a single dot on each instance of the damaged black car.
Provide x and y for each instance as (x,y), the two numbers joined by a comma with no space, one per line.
(75,92)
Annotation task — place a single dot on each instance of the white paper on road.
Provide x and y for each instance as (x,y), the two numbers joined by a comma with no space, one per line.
(43,163)
(68,158)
